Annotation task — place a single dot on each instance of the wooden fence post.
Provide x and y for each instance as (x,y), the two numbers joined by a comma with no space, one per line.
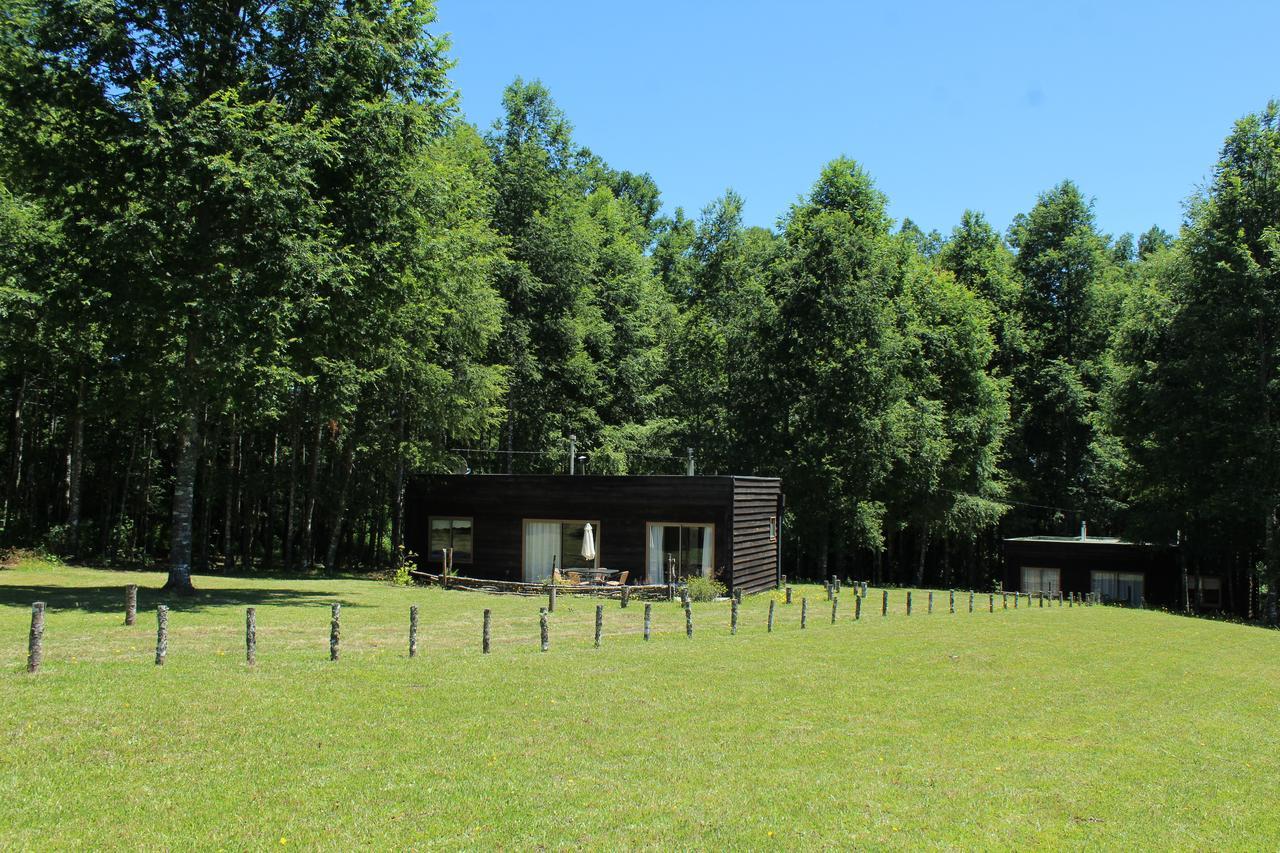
(908,602)
(951,600)
(733,616)
(1040,597)
(413,630)
(131,604)
(884,603)
(970,601)
(599,623)
(788,595)
(35,640)
(162,634)
(551,598)
(688,620)
(543,631)
(335,630)
(648,616)
(804,611)
(484,634)
(835,602)
(626,595)
(737,595)
(930,610)
(771,604)
(250,636)
(1016,596)
(1004,600)
(827,587)
(991,602)
(857,607)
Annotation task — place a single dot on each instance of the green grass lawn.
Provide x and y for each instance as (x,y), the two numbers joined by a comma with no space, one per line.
(1036,728)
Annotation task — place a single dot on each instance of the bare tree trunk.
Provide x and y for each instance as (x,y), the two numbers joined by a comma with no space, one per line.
(269,506)
(340,505)
(184,487)
(921,554)
(75,465)
(210,463)
(229,498)
(248,501)
(16,438)
(397,496)
(295,459)
(309,510)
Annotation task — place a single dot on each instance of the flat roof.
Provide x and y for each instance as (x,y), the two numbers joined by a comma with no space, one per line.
(1088,540)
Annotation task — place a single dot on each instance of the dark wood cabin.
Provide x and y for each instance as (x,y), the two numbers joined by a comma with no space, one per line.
(1119,571)
(657,529)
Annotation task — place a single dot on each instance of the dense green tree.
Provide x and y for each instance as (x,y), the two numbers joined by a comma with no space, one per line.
(1059,455)
(1199,396)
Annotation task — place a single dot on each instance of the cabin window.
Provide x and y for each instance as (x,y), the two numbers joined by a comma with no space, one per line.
(773,528)
(1123,587)
(1048,581)
(559,544)
(677,551)
(451,532)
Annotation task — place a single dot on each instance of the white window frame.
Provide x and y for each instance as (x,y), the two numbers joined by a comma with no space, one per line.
(649,525)
(595,531)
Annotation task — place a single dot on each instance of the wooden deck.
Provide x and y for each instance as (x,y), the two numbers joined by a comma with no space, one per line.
(650,592)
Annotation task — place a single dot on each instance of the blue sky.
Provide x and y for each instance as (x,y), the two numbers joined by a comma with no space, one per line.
(948,105)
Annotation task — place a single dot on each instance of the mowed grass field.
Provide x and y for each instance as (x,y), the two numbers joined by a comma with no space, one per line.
(1040,728)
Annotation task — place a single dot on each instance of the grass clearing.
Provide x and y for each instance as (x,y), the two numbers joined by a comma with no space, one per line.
(1047,727)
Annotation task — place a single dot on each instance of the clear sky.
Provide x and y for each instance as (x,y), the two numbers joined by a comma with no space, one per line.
(949,105)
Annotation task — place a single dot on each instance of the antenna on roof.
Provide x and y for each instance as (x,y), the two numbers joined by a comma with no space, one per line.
(689,467)
(1084,530)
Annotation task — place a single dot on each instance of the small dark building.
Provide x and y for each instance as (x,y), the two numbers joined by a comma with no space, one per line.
(1119,571)
(657,529)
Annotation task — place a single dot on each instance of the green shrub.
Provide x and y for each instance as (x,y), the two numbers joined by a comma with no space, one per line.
(705,589)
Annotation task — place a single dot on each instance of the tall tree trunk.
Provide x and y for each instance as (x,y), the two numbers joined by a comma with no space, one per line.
(75,465)
(14,481)
(184,487)
(922,554)
(397,496)
(340,506)
(269,506)
(210,465)
(248,501)
(295,459)
(309,510)
(229,498)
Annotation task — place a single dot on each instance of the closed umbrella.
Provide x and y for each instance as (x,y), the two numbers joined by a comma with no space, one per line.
(588,545)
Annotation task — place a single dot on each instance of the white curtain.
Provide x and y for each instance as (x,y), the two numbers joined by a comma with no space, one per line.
(656,558)
(706,552)
(541,548)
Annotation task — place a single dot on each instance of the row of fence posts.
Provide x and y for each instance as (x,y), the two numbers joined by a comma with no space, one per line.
(35,642)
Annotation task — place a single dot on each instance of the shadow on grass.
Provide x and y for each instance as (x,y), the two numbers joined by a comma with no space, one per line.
(110,599)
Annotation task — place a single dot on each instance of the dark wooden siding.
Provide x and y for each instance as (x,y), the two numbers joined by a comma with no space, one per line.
(756,500)
(1076,561)
(623,505)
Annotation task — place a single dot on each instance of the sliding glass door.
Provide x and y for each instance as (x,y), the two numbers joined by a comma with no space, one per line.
(678,551)
(557,545)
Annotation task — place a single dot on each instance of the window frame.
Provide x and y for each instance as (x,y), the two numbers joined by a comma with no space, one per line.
(595,530)
(432,519)
(773,528)
(709,524)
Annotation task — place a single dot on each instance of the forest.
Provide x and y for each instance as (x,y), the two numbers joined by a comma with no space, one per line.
(257,269)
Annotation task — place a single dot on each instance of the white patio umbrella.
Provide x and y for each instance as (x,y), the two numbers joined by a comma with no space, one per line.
(588,545)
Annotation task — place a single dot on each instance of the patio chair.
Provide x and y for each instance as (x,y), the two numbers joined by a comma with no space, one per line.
(574,578)
(621,581)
